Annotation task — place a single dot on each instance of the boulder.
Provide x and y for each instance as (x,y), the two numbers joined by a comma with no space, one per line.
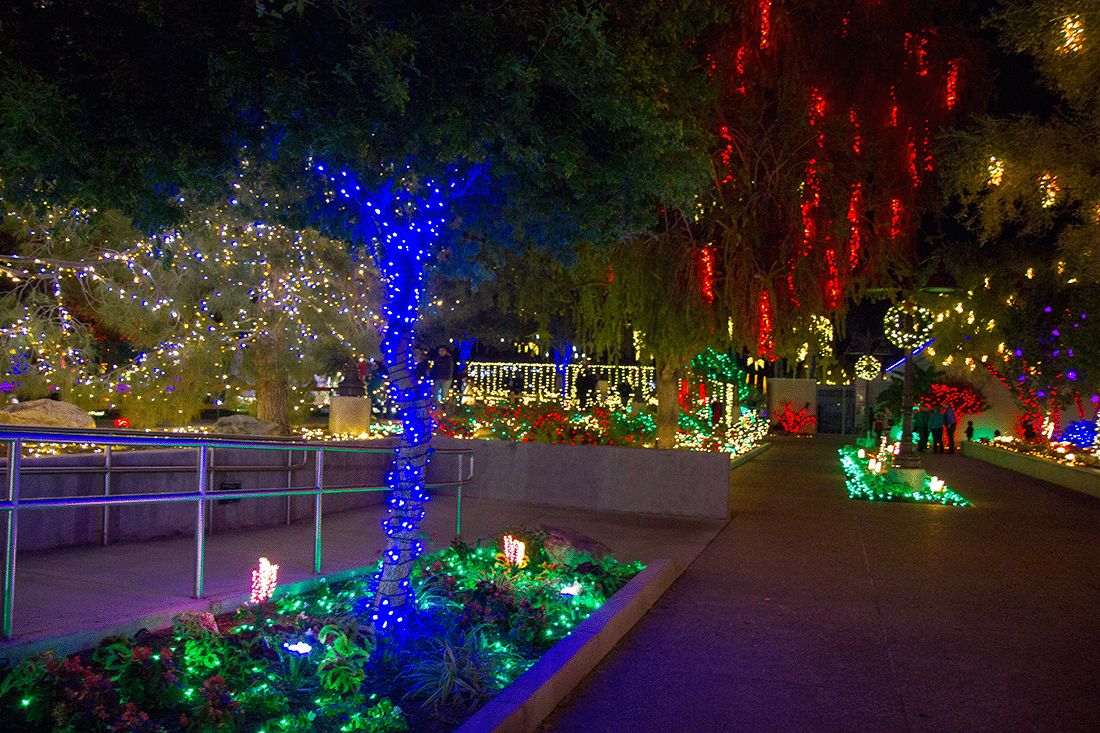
(46,413)
(562,545)
(245,425)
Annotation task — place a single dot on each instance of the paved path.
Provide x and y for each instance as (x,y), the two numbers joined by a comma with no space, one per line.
(811,612)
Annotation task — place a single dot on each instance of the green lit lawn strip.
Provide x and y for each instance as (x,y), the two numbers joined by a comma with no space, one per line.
(867,485)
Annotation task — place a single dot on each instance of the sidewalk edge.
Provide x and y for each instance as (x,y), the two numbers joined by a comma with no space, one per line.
(523,705)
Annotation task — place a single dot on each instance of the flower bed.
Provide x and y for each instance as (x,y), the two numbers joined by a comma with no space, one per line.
(307,663)
(866,480)
(547,423)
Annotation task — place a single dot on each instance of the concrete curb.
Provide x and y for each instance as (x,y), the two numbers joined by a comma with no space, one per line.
(1079,478)
(523,705)
(746,457)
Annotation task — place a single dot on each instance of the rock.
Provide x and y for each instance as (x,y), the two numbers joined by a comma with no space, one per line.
(562,545)
(47,413)
(245,425)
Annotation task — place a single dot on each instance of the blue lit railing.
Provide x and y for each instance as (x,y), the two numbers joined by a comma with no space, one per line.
(17,436)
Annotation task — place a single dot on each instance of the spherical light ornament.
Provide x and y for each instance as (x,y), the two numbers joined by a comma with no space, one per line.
(908,325)
(868,368)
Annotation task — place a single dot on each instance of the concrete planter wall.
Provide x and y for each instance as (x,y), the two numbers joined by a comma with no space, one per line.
(610,478)
(1085,480)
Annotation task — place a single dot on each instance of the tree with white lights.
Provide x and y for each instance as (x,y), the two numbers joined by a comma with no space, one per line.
(160,327)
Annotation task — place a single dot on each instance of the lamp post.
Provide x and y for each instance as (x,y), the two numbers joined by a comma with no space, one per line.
(908,326)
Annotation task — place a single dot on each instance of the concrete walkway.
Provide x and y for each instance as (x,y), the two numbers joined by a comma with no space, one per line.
(811,612)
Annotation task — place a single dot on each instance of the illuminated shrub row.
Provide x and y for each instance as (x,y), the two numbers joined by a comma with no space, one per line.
(545,423)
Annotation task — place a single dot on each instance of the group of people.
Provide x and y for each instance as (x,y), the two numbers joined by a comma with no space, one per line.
(937,425)
(439,370)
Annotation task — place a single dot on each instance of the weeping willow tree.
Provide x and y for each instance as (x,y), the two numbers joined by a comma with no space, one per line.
(1029,185)
(649,289)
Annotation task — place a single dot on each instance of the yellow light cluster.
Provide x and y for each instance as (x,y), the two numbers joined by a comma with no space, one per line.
(996,170)
(1049,187)
(1073,34)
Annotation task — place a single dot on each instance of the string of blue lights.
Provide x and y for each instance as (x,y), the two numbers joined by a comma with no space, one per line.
(400,222)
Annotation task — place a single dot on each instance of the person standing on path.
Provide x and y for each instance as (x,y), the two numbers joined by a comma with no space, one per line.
(920,424)
(950,424)
(935,426)
(441,373)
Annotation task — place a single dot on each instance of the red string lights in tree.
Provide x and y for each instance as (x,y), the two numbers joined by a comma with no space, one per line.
(739,64)
(765,23)
(951,93)
(727,154)
(765,345)
(895,218)
(706,274)
(813,233)
(855,209)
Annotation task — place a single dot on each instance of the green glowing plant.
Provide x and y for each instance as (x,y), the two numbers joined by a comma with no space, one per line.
(345,655)
(217,711)
(75,697)
(309,668)
(143,677)
(456,671)
(513,617)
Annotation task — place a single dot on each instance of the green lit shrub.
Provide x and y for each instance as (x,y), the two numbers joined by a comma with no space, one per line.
(452,670)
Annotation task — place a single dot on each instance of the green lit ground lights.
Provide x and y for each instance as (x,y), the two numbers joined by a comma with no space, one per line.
(864,480)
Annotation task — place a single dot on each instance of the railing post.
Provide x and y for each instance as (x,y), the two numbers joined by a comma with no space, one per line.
(15,452)
(106,492)
(200,519)
(458,506)
(289,481)
(317,512)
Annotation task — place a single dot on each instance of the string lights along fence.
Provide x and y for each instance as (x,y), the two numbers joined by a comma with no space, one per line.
(542,383)
(489,382)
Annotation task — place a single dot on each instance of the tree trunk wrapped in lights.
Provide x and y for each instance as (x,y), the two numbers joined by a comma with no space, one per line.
(399,223)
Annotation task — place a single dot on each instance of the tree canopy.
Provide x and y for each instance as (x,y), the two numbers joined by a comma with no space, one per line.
(1029,188)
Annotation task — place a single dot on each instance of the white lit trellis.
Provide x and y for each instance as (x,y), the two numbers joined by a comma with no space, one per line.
(488,381)
(541,382)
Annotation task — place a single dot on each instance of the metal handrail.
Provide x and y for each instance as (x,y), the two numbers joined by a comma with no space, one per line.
(109,468)
(16,436)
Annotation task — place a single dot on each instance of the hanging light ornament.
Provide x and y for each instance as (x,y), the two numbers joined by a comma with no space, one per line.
(908,325)
(868,368)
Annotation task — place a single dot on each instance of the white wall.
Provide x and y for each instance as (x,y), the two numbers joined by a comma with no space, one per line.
(798,392)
